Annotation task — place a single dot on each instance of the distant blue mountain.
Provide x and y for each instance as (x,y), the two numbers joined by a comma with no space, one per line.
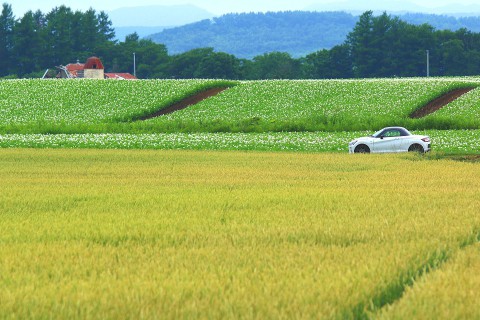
(443,22)
(299,33)
(247,35)
(395,7)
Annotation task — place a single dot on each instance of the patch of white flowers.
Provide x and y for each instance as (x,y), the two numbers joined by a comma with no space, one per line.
(451,141)
(88,101)
(461,141)
(310,141)
(325,100)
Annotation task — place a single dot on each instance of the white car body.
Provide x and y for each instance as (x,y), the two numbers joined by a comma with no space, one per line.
(390,139)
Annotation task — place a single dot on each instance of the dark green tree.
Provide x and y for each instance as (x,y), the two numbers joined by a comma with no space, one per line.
(454,57)
(185,65)
(385,46)
(122,59)
(29,44)
(151,58)
(276,65)
(317,65)
(409,49)
(328,64)
(360,41)
(59,33)
(104,27)
(341,62)
(7,22)
(218,65)
(76,31)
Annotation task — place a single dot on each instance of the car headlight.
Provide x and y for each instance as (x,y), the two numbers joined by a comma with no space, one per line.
(353,142)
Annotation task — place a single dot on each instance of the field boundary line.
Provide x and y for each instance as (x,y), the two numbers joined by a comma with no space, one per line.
(395,291)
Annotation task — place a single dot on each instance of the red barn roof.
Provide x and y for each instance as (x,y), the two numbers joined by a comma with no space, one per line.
(126,76)
(93,63)
(73,68)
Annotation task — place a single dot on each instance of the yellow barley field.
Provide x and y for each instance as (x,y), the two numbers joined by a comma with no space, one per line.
(112,234)
(448,293)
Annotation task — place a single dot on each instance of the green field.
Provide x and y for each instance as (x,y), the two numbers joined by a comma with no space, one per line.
(90,106)
(57,105)
(327,105)
(193,234)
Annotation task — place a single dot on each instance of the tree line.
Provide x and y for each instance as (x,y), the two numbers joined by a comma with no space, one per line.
(378,46)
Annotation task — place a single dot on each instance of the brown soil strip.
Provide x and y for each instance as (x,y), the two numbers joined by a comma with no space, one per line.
(467,158)
(187,102)
(439,102)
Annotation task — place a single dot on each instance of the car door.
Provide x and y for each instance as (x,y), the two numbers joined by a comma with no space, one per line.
(404,142)
(387,141)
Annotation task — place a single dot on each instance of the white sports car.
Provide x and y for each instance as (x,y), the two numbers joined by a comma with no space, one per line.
(391,139)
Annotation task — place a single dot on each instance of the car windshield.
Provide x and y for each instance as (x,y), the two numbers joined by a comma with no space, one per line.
(376,134)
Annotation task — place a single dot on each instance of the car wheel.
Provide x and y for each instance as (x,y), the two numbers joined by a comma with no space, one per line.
(362,149)
(416,148)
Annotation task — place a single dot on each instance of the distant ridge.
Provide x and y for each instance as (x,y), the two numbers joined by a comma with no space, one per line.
(396,7)
(247,35)
(298,33)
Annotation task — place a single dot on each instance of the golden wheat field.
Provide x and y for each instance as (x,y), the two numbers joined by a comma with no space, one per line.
(112,234)
(449,293)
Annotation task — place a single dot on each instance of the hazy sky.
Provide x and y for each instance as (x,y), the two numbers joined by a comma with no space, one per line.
(214,6)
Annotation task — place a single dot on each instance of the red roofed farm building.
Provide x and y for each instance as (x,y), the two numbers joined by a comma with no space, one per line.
(92,69)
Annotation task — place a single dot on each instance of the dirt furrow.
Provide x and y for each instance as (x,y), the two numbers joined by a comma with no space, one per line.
(187,102)
(439,102)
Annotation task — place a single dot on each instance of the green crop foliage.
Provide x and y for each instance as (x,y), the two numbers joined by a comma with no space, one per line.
(68,107)
(331,105)
(191,234)
(60,103)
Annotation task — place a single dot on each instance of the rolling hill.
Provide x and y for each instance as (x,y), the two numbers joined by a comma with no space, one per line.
(249,34)
(299,33)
